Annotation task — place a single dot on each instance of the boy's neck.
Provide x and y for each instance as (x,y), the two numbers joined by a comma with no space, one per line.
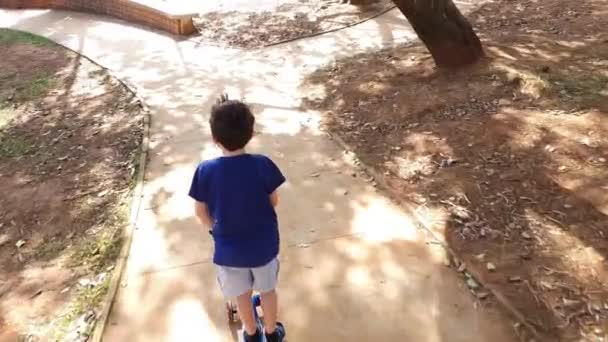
(234,153)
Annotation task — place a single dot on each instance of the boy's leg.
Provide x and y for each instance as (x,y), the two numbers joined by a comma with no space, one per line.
(265,281)
(270,307)
(243,305)
(238,282)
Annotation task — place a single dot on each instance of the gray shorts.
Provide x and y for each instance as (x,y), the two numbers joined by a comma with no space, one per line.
(235,281)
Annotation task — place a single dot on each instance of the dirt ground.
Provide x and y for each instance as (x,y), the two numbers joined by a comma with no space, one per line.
(69,134)
(512,153)
(291,19)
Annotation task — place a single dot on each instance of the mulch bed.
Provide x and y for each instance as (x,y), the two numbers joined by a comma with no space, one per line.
(69,134)
(290,20)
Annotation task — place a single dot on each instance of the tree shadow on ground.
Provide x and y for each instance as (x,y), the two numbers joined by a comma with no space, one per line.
(511,152)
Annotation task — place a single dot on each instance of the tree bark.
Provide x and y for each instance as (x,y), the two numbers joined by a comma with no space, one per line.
(447,34)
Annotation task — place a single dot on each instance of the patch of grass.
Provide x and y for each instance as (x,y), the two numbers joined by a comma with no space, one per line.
(11,147)
(96,255)
(37,87)
(7,76)
(49,249)
(26,90)
(87,298)
(99,253)
(582,88)
(134,166)
(8,37)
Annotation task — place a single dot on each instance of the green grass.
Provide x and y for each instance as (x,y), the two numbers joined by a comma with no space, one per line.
(11,147)
(26,90)
(8,37)
(37,87)
(87,298)
(49,249)
(99,253)
(6,76)
(96,255)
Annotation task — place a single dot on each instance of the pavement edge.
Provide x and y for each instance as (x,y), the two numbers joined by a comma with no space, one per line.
(137,195)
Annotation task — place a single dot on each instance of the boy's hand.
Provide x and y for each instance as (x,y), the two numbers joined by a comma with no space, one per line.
(274,199)
(202,213)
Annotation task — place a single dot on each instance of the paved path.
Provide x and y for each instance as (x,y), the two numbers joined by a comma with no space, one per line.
(354,267)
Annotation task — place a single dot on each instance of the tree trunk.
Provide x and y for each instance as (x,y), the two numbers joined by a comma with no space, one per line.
(447,34)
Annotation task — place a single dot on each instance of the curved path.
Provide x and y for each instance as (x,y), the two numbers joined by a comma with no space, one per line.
(354,266)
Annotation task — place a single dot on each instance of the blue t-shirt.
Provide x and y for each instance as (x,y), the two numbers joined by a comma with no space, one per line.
(237,192)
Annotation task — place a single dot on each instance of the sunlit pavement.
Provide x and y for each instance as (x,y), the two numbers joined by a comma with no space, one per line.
(354,267)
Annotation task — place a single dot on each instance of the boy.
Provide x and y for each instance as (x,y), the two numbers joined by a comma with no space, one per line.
(235,197)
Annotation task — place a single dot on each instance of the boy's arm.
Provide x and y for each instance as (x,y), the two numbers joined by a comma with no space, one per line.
(274,198)
(202,213)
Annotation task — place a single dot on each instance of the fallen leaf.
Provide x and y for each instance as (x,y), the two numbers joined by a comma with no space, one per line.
(482,295)
(36,294)
(84,282)
(472,284)
(570,302)
(588,142)
(448,162)
(546,285)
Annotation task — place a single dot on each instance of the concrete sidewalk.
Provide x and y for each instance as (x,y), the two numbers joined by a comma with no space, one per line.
(354,266)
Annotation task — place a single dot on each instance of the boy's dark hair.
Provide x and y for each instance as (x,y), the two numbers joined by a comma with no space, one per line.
(231,123)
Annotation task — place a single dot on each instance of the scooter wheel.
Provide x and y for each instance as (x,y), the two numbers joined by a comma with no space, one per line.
(233,316)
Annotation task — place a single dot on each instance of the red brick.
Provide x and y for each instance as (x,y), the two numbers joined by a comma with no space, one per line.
(123,9)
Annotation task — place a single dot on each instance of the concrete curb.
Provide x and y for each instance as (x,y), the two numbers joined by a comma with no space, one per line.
(502,299)
(136,200)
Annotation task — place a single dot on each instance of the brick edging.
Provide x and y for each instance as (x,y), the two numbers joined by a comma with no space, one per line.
(123,9)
